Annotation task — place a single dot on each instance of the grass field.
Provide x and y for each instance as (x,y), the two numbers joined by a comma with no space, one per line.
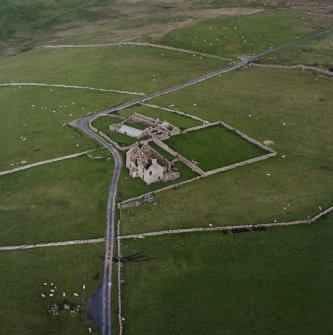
(177,120)
(23,310)
(273,282)
(298,122)
(213,147)
(56,202)
(129,68)
(244,35)
(40,116)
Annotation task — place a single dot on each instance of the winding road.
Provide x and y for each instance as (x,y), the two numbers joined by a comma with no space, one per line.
(83,124)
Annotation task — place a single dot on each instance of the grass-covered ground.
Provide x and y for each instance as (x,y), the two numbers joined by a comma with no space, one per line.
(213,147)
(24,311)
(177,120)
(129,68)
(290,108)
(34,122)
(55,202)
(236,36)
(273,282)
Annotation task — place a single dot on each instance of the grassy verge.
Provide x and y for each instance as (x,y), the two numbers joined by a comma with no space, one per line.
(243,284)
(24,311)
(56,202)
(298,122)
(213,147)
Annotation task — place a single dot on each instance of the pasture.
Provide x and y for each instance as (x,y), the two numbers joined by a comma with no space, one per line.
(213,147)
(212,283)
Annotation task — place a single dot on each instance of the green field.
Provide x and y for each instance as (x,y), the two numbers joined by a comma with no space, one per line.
(177,120)
(298,122)
(40,115)
(236,36)
(56,202)
(213,147)
(273,282)
(24,311)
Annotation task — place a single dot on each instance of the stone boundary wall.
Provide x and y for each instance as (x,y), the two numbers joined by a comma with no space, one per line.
(164,147)
(94,129)
(202,174)
(50,244)
(247,138)
(115,144)
(139,199)
(140,44)
(166,47)
(233,166)
(70,87)
(191,165)
(206,125)
(142,196)
(175,111)
(287,67)
(229,228)
(48,161)
(318,216)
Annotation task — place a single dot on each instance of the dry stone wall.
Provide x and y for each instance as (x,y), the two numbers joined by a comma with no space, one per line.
(287,67)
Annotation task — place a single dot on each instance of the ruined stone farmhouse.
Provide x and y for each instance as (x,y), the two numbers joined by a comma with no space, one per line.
(146,163)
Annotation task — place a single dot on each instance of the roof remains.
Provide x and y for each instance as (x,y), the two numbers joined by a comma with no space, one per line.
(130,131)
